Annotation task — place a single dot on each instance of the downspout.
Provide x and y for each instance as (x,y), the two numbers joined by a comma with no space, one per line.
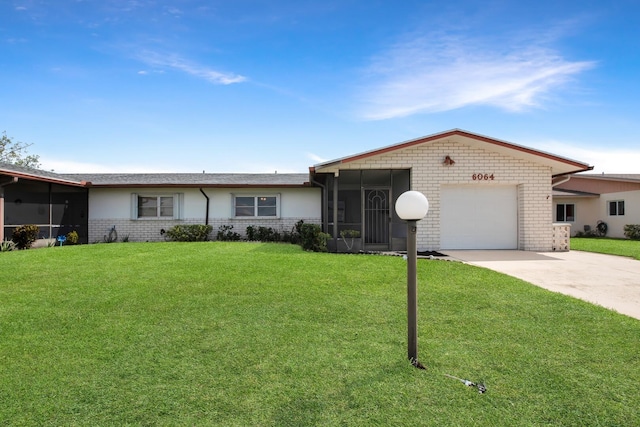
(51,212)
(325,208)
(13,180)
(335,206)
(561,181)
(206,217)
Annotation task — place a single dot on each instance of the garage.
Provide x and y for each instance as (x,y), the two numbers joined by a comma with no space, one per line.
(479,217)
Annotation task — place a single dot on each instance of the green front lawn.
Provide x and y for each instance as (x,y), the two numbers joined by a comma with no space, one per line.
(240,334)
(622,247)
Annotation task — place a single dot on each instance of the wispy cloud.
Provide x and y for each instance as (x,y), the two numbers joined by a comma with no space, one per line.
(604,159)
(66,166)
(315,158)
(155,59)
(441,72)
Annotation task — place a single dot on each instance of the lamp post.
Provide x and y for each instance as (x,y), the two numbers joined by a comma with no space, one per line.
(412,206)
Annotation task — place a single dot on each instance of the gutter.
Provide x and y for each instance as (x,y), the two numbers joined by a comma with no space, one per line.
(206,217)
(589,168)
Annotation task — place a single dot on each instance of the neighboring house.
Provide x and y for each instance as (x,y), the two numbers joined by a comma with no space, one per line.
(141,206)
(484,193)
(585,199)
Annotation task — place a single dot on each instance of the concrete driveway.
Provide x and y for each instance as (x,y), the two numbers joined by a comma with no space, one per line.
(609,281)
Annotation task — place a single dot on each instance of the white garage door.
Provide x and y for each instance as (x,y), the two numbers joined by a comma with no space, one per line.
(479,217)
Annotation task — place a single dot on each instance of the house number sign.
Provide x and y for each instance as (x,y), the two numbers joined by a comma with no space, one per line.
(482,177)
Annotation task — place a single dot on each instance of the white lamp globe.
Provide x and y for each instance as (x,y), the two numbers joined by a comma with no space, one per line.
(412,205)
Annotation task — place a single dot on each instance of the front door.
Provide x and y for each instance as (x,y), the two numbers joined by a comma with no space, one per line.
(376,218)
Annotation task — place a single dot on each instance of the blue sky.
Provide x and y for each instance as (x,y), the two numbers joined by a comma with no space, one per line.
(264,86)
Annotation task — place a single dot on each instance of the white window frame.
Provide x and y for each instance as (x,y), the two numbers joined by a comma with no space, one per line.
(255,206)
(178,202)
(617,204)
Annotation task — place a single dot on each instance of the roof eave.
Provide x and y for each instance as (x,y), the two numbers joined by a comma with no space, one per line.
(33,177)
(142,185)
(580,167)
(588,168)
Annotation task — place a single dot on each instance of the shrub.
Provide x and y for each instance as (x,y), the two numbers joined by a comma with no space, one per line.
(189,233)
(263,234)
(25,235)
(72,238)
(251,233)
(311,237)
(7,246)
(111,236)
(226,234)
(290,237)
(268,234)
(632,231)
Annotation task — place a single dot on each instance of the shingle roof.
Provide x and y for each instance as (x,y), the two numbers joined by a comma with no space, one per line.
(38,174)
(611,176)
(160,179)
(572,193)
(194,179)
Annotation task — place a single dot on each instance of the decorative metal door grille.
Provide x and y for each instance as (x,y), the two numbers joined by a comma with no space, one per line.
(376,216)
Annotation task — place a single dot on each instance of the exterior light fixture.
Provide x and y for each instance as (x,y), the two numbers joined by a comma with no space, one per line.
(412,206)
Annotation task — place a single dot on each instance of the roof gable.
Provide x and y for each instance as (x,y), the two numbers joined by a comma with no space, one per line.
(559,165)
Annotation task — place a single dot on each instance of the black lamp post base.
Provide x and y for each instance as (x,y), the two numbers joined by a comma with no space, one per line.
(416,363)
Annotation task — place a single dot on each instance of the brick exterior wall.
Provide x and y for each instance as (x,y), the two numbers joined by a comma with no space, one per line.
(429,174)
(148,230)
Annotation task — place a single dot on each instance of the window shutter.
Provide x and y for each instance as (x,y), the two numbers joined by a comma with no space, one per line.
(134,206)
(233,205)
(178,203)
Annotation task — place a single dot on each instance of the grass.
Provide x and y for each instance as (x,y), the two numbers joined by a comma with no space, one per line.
(622,247)
(239,334)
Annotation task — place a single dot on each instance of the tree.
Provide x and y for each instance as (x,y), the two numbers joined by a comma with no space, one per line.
(16,153)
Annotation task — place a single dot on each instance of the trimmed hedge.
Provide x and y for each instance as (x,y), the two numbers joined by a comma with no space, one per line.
(632,231)
(311,237)
(189,233)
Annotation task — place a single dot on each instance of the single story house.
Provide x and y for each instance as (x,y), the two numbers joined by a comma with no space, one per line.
(484,193)
(143,206)
(584,200)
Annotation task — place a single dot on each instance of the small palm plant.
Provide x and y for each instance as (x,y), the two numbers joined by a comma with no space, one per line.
(348,237)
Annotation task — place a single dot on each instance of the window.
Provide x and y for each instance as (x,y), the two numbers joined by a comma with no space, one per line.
(255,206)
(164,206)
(616,208)
(565,212)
